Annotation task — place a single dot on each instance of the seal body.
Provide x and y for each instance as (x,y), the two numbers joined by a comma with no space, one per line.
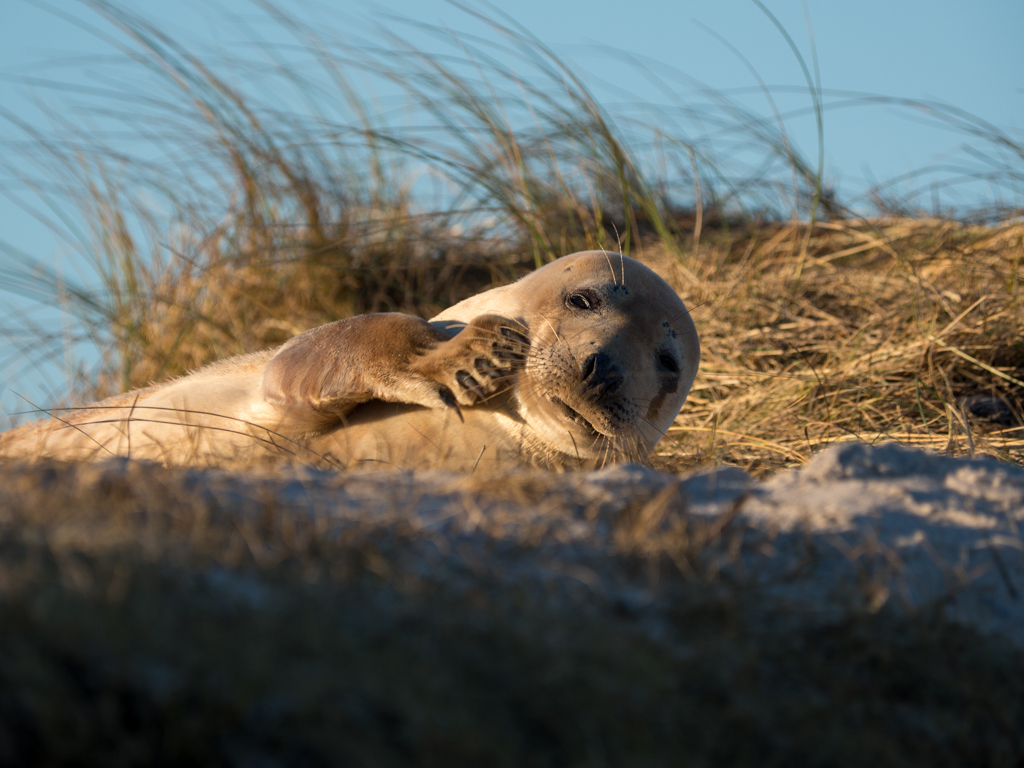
(580,363)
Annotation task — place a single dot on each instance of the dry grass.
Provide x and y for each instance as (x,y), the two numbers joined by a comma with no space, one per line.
(888,333)
(145,620)
(264,216)
(890,326)
(156,615)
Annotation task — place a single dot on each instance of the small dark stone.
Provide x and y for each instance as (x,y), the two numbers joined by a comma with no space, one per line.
(988,408)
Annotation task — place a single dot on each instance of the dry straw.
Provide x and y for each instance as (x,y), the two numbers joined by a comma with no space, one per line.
(246,211)
(897,329)
(165,612)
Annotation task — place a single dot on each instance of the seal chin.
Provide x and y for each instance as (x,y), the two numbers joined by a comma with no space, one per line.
(559,426)
(595,434)
(577,418)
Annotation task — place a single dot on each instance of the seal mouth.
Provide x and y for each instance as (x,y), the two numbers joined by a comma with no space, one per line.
(575,416)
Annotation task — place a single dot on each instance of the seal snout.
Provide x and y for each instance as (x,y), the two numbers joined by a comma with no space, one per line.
(600,376)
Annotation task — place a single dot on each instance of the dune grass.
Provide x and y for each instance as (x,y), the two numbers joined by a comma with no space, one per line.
(263,194)
(895,329)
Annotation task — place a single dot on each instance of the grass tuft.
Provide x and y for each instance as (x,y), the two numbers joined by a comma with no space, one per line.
(260,194)
(224,201)
(897,329)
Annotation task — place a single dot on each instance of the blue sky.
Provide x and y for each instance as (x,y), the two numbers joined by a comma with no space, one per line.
(964,54)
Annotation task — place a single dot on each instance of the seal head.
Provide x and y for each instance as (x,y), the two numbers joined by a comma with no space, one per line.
(613,354)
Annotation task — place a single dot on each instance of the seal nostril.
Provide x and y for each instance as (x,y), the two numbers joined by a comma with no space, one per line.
(600,375)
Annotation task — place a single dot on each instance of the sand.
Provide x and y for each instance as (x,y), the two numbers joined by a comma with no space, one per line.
(860,528)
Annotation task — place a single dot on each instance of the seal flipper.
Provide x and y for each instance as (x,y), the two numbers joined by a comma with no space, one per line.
(319,376)
(480,360)
(322,374)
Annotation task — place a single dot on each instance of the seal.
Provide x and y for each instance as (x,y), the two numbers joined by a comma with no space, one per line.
(583,362)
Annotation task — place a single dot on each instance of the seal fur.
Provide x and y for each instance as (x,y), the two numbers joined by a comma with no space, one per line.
(582,362)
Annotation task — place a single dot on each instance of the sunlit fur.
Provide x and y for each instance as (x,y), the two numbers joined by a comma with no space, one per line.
(583,362)
(638,318)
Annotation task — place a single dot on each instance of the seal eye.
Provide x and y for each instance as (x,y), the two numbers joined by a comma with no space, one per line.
(583,301)
(668,362)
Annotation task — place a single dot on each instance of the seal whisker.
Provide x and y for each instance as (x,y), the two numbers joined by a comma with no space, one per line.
(687,311)
(552,327)
(610,269)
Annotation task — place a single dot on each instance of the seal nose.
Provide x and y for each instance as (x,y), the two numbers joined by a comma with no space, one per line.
(600,375)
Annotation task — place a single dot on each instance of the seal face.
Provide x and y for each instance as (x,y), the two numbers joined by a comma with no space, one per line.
(600,377)
(613,354)
(582,362)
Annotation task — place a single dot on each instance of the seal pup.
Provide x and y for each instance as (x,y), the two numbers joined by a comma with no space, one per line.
(584,361)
